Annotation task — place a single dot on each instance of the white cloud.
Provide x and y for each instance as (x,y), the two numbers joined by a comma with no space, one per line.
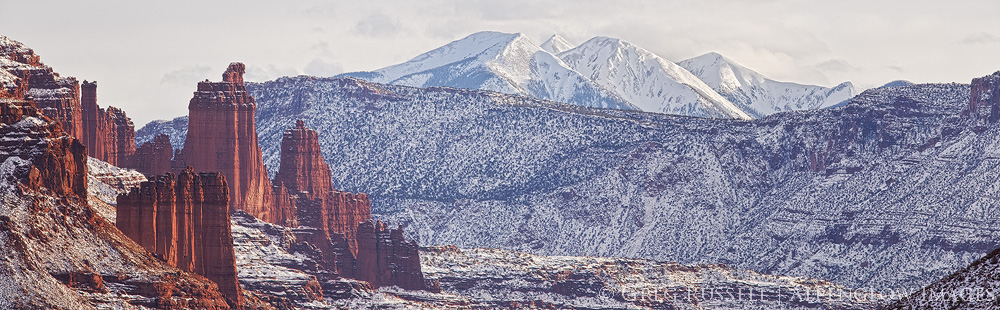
(186,76)
(378,25)
(981,38)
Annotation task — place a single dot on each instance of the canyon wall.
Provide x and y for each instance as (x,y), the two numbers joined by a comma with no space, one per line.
(184,219)
(108,134)
(984,101)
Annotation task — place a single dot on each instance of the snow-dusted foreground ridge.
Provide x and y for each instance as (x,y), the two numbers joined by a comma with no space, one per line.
(271,265)
(895,190)
(499,277)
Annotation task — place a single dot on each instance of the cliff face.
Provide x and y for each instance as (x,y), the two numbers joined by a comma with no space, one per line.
(307,177)
(386,258)
(339,223)
(984,101)
(184,219)
(109,134)
(222,137)
(57,161)
(56,251)
(302,167)
(152,158)
(55,96)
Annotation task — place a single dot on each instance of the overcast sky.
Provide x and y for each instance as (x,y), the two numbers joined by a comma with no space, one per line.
(148,55)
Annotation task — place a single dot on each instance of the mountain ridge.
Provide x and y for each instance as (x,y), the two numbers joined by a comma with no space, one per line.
(758,95)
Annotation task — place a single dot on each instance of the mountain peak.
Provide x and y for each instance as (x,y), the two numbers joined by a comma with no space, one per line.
(556,44)
(759,95)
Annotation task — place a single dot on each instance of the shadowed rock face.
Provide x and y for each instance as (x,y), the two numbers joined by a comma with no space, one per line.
(109,134)
(386,258)
(339,223)
(153,157)
(306,176)
(222,137)
(184,219)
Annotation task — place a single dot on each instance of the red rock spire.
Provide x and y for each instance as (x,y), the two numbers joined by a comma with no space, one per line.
(222,136)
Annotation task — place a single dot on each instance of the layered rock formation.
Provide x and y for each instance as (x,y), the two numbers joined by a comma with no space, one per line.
(55,96)
(386,258)
(56,251)
(58,162)
(108,134)
(984,101)
(307,176)
(154,157)
(184,219)
(222,137)
(339,223)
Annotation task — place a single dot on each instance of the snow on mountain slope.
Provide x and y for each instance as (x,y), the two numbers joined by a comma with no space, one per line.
(648,81)
(556,44)
(105,182)
(865,195)
(176,129)
(758,95)
(497,277)
(501,62)
(974,287)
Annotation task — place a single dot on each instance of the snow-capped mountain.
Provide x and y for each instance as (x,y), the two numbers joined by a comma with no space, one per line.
(501,62)
(758,95)
(556,44)
(646,80)
(608,73)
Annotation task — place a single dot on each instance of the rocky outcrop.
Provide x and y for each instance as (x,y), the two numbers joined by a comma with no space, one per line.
(302,167)
(55,96)
(109,134)
(222,137)
(984,100)
(184,219)
(386,258)
(329,220)
(153,157)
(307,177)
(58,162)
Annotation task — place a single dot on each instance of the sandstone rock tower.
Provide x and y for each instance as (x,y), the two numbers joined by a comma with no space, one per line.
(184,219)
(108,134)
(222,136)
(339,223)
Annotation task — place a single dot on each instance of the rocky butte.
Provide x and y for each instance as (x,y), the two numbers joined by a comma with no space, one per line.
(222,137)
